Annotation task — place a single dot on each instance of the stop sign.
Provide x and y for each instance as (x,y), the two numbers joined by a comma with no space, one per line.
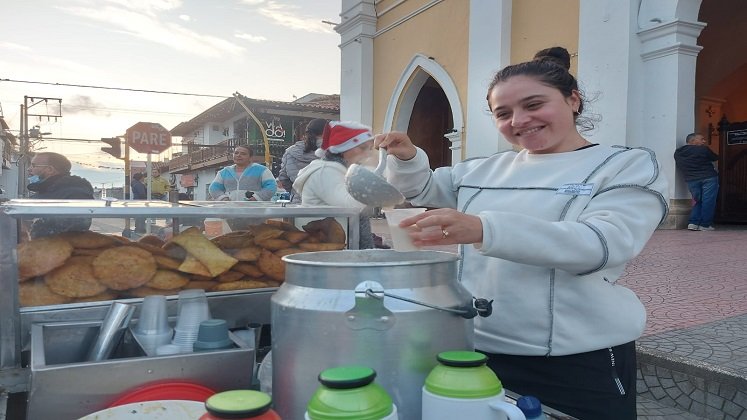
(147,137)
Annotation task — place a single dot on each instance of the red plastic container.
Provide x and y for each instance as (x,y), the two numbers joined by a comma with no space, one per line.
(165,391)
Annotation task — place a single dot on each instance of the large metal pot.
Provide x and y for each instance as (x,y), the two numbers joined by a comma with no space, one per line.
(359,307)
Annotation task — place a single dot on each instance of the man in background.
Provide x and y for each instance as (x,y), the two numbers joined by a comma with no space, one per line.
(159,185)
(695,161)
(50,178)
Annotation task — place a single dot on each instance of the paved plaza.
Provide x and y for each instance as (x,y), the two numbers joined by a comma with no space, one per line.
(693,354)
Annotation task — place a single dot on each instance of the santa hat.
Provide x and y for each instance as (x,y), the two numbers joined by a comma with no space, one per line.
(341,136)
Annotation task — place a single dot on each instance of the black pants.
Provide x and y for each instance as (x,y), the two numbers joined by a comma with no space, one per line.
(598,385)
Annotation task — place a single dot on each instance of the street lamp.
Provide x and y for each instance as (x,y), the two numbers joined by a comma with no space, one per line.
(35,133)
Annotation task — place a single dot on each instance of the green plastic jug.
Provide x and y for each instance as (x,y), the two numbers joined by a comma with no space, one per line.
(462,386)
(350,393)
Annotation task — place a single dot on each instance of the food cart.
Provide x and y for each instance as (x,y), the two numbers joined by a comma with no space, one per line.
(34,338)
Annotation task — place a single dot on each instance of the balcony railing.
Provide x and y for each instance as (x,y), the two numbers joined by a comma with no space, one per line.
(220,155)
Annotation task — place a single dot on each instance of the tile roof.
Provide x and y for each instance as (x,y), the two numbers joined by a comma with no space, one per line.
(229,108)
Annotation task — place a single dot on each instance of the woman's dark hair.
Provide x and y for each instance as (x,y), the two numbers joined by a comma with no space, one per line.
(244,146)
(549,67)
(314,129)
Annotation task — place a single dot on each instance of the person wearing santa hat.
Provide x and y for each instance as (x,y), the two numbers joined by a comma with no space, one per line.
(322,182)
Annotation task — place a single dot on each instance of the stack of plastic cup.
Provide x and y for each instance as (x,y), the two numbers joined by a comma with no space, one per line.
(152,328)
(193,309)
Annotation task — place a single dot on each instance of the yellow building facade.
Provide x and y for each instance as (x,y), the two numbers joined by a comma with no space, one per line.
(423,67)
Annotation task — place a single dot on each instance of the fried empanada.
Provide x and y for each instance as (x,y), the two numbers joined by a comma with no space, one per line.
(322,246)
(75,278)
(238,285)
(235,239)
(230,276)
(250,253)
(42,255)
(250,270)
(274,244)
(89,240)
(124,267)
(36,293)
(271,265)
(200,247)
(166,280)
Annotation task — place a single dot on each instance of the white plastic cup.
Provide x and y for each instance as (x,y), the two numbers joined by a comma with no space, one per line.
(151,342)
(193,309)
(153,319)
(167,349)
(400,238)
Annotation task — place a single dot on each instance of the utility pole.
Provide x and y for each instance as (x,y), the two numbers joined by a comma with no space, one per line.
(24,160)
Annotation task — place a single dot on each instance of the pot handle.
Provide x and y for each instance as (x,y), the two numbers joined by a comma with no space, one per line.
(482,307)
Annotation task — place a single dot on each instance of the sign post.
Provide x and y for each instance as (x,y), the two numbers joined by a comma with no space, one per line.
(147,137)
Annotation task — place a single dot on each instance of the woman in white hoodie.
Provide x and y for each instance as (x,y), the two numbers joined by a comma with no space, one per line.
(546,233)
(322,182)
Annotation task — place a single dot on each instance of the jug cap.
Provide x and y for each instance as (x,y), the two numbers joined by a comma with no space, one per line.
(462,358)
(347,377)
(463,374)
(349,393)
(238,403)
(530,406)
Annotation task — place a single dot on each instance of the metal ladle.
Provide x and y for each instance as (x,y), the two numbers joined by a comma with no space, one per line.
(371,188)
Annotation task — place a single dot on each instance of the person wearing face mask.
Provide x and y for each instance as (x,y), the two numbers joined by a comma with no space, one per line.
(322,182)
(545,231)
(50,178)
(299,155)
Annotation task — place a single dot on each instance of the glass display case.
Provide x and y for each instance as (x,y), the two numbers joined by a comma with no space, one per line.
(66,260)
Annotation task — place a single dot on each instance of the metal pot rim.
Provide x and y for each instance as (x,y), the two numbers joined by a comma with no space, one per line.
(369,258)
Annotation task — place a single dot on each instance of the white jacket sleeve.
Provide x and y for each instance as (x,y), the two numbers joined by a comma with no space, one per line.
(419,184)
(609,231)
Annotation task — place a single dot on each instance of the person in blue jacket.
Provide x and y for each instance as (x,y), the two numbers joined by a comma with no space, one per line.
(235,181)
(243,181)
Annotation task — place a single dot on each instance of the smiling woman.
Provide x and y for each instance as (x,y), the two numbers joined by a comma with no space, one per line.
(545,232)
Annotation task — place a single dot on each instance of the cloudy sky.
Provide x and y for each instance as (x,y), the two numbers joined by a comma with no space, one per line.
(266,49)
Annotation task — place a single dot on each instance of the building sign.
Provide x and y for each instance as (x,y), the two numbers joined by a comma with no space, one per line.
(187,180)
(736,137)
(274,130)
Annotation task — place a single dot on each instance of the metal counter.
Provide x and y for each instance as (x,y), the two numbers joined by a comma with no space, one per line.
(237,308)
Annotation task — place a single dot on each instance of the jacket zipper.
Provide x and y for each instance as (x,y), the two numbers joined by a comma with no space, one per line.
(614,372)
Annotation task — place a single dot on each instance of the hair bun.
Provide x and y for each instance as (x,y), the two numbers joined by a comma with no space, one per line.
(557,55)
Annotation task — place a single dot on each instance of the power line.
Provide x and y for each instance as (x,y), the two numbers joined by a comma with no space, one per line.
(114,88)
(134,111)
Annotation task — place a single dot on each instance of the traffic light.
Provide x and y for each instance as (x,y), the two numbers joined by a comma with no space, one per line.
(115,148)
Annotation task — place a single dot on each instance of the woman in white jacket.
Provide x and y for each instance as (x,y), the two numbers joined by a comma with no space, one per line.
(322,182)
(546,232)
(299,155)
